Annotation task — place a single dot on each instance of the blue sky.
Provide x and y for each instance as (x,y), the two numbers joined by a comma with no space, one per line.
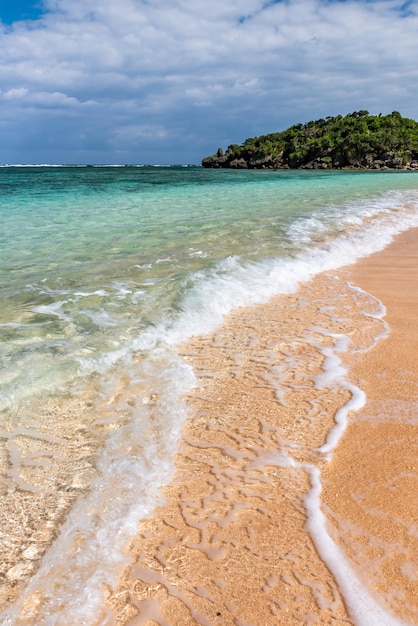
(170,81)
(13,10)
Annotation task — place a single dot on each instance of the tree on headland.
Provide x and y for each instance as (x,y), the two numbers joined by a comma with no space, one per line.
(357,140)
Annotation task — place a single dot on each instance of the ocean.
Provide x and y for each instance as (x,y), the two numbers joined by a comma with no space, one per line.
(105,273)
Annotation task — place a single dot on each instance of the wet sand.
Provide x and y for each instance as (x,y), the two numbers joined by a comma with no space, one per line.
(232,544)
(371,484)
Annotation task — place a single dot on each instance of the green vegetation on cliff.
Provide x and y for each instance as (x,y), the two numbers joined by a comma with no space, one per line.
(357,140)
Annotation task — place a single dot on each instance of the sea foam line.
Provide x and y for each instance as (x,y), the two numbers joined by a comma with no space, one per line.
(361,605)
(234,283)
(203,310)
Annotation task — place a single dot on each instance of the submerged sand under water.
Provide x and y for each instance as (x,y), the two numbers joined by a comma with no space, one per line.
(239,541)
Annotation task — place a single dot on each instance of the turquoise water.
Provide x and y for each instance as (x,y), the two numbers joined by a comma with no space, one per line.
(104,271)
(99,254)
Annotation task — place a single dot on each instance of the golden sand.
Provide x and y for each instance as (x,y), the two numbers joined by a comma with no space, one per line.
(231,545)
(371,484)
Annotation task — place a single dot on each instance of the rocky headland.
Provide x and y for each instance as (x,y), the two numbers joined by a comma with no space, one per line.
(356,141)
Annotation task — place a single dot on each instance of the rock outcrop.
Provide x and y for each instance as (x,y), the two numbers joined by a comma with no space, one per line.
(356,141)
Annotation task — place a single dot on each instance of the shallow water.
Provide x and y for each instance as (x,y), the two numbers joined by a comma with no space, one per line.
(104,272)
(242,538)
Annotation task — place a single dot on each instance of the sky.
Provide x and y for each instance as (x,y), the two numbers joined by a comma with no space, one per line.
(171,81)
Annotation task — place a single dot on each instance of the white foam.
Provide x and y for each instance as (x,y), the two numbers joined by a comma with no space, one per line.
(105,520)
(363,608)
(99,317)
(361,605)
(131,468)
(334,374)
(379,314)
(234,283)
(55,309)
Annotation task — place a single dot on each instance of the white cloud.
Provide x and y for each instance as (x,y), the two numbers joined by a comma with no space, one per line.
(15,93)
(205,73)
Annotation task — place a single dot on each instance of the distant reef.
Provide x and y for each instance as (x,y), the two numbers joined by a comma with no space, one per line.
(356,141)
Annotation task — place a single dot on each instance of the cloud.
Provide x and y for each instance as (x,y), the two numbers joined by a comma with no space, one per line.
(15,93)
(144,78)
(45,99)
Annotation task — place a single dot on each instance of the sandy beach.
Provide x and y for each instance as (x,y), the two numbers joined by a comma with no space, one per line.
(370,486)
(232,545)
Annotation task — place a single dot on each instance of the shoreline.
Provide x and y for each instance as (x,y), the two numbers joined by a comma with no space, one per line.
(370,484)
(100,380)
(233,534)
